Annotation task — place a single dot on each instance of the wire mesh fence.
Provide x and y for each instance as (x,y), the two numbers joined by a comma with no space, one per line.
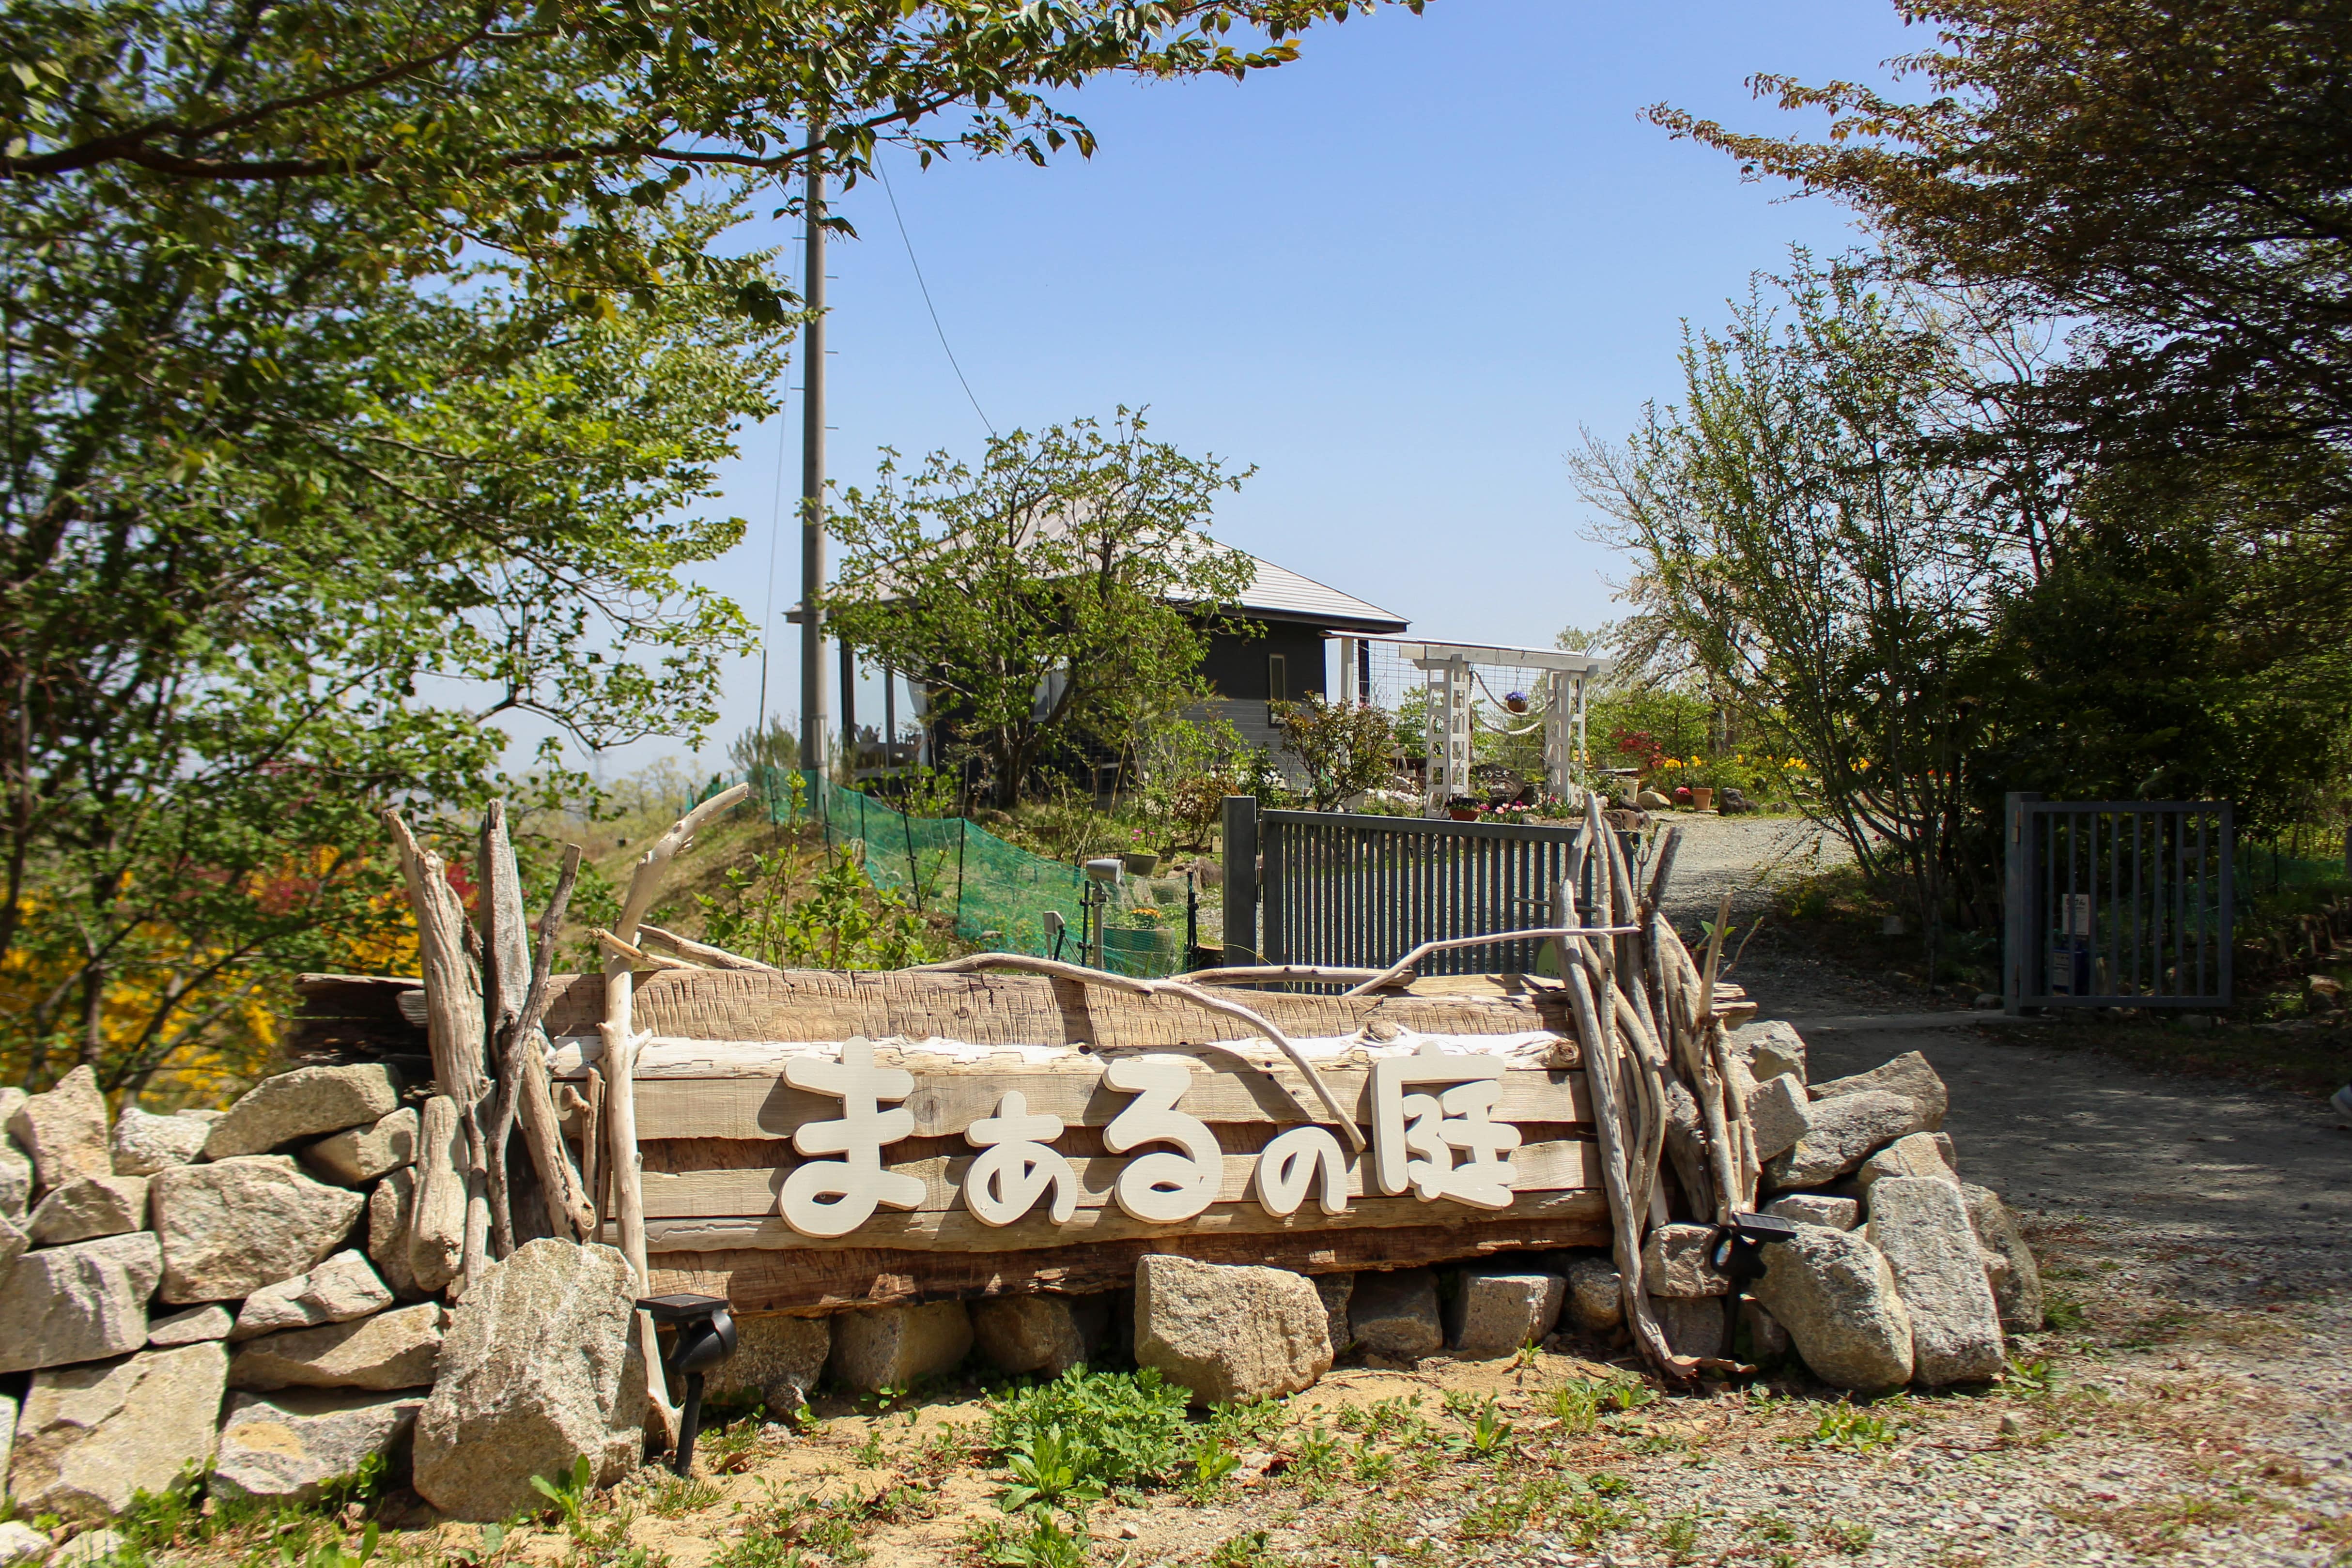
(998,895)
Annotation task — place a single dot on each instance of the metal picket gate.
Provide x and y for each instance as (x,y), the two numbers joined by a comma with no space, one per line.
(2116,903)
(1362,892)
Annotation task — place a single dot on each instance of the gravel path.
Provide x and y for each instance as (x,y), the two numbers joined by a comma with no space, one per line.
(1746,854)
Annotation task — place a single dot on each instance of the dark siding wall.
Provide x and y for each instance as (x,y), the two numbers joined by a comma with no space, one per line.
(1236,667)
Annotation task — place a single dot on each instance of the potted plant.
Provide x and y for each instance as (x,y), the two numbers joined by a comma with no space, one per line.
(1516,701)
(1140,862)
(1703,796)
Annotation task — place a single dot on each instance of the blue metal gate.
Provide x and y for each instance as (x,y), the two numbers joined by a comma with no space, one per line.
(2116,903)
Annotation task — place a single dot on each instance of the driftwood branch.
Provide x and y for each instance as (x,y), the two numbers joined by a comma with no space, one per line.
(702,951)
(1193,994)
(1412,961)
(635,956)
(622,1042)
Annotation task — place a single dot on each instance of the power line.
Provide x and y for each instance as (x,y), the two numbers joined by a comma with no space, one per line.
(925,287)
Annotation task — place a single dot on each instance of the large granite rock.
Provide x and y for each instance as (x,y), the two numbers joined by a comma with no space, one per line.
(194,1326)
(1756,1334)
(358,1154)
(1496,1311)
(1920,1155)
(539,1369)
(890,1347)
(13,1242)
(1817,1208)
(1908,1075)
(1694,1325)
(20,1541)
(1596,1296)
(303,1104)
(336,1291)
(777,1360)
(392,1349)
(10,1407)
(89,1207)
(231,1226)
(2017,1293)
(78,1302)
(1229,1333)
(1835,1294)
(290,1447)
(389,1208)
(1779,1115)
(1843,1133)
(64,1130)
(146,1143)
(1394,1314)
(1922,1227)
(1678,1260)
(1771,1047)
(15,1181)
(92,1437)
(1043,1334)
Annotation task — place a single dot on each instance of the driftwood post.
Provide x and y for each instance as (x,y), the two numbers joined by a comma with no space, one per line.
(453,1010)
(621,1044)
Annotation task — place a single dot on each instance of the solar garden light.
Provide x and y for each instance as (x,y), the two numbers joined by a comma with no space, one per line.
(1739,1244)
(706,1337)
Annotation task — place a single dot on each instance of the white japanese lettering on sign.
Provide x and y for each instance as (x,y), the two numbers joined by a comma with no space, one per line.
(1415,1137)
(1015,1166)
(1434,1134)
(834,1198)
(1166,1186)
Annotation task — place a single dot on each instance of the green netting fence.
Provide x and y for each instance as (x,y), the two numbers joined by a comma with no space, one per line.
(998,894)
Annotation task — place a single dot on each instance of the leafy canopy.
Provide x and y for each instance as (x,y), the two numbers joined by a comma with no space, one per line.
(1058,594)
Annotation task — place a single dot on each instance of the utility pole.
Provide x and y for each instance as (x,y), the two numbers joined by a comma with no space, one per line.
(812,671)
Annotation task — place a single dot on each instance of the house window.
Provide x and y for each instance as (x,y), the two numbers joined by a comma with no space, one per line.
(1277,679)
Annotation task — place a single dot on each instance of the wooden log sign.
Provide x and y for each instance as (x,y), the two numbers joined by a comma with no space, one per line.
(817,1141)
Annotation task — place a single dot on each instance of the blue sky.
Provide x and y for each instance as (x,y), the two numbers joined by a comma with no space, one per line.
(1399,276)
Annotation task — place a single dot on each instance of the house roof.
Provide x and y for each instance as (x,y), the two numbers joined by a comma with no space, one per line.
(1278,593)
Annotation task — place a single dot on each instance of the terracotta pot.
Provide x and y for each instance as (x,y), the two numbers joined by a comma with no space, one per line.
(1703,796)
(1462,813)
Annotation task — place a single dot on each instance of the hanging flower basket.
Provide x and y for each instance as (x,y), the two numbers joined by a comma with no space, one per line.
(1516,701)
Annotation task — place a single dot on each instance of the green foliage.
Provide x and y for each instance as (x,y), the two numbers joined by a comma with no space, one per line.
(1052,1473)
(1344,749)
(836,919)
(1130,1426)
(1247,1551)
(571,1494)
(1060,593)
(1489,1434)
(1031,1540)
(1852,1427)
(1214,1464)
(1579,1406)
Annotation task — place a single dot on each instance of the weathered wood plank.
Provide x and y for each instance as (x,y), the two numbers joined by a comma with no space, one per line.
(1006,1009)
(957,1230)
(743,1193)
(944,1104)
(811,1282)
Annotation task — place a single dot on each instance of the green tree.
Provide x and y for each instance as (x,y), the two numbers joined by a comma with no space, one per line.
(281,539)
(1344,749)
(1058,594)
(2170,179)
(1810,561)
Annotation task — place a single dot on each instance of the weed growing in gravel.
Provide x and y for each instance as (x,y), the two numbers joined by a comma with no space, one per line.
(1839,1535)
(1850,1427)
(1315,1462)
(676,1495)
(1580,1406)
(1242,1552)
(1508,1510)
(1772,1527)
(1027,1542)
(1213,1465)
(1488,1436)
(1131,1424)
(1678,1534)
(1372,1466)
(1052,1472)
